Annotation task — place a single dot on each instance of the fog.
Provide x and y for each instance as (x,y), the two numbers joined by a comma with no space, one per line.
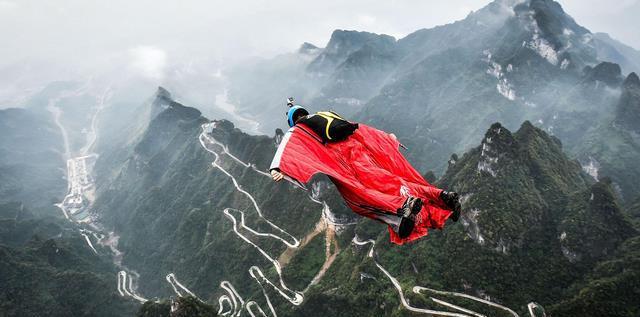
(45,41)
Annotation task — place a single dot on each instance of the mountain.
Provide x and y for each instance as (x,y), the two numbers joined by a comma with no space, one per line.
(612,147)
(609,49)
(118,136)
(167,201)
(308,49)
(628,110)
(530,229)
(523,62)
(353,66)
(634,208)
(535,214)
(608,290)
(534,225)
(47,267)
(261,86)
(342,45)
(32,162)
(49,264)
(509,61)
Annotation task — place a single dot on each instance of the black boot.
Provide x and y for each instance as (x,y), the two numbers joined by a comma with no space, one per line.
(410,207)
(452,200)
(406,227)
(408,212)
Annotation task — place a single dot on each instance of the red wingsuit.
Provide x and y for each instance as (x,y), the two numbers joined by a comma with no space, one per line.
(371,174)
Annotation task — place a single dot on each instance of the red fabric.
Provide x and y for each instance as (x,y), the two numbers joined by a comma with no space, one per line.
(368,170)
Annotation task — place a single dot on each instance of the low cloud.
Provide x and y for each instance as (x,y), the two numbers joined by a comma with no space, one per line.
(6,5)
(366,20)
(148,61)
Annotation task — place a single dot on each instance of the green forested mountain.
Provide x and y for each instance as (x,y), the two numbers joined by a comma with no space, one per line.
(32,163)
(535,228)
(167,201)
(610,289)
(47,269)
(534,225)
(612,147)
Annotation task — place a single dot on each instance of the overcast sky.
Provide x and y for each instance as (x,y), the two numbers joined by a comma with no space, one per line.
(82,33)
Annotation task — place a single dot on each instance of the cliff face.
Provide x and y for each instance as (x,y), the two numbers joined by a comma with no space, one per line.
(628,109)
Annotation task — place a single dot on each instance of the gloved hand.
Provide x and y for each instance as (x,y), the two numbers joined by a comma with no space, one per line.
(277,175)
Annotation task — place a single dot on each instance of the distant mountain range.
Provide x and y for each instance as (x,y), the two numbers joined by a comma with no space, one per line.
(439,88)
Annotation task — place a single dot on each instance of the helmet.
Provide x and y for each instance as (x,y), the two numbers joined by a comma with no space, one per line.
(295,111)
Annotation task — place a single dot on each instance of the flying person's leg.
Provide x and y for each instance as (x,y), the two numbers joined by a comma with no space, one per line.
(389,209)
(375,192)
(384,207)
(387,164)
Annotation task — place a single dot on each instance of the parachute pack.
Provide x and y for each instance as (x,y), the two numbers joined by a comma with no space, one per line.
(330,126)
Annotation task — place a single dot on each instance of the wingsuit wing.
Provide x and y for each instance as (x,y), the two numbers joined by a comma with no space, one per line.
(368,169)
(301,154)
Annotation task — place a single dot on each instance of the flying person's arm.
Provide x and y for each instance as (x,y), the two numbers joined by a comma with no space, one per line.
(277,175)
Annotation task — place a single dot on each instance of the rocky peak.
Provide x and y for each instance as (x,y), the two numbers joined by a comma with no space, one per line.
(606,72)
(163,92)
(162,98)
(628,110)
(631,82)
(497,138)
(528,134)
(308,49)
(164,101)
(342,44)
(555,35)
(224,124)
(497,142)
(527,167)
(552,19)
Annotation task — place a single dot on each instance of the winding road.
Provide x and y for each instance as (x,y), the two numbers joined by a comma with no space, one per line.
(232,304)
(125,287)
(75,205)
(177,286)
(420,290)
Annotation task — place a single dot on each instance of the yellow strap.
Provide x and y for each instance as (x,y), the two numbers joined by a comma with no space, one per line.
(329,120)
(329,116)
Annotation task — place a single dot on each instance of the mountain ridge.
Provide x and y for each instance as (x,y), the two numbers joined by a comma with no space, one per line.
(522,195)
